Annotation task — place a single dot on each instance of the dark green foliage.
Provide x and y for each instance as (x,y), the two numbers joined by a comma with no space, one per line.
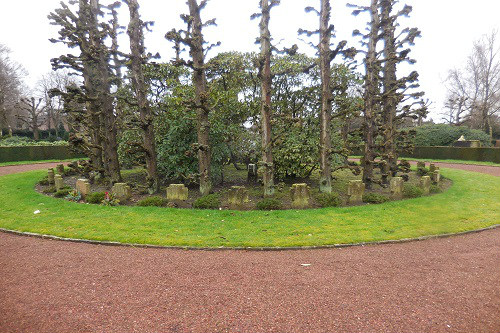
(328,199)
(44,181)
(62,193)
(422,171)
(375,198)
(51,189)
(36,153)
(435,189)
(412,191)
(269,204)
(95,197)
(445,135)
(155,201)
(211,201)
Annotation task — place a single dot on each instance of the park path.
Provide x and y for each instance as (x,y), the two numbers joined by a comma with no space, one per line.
(438,285)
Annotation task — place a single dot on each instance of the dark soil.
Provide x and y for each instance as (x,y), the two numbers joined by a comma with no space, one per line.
(137,177)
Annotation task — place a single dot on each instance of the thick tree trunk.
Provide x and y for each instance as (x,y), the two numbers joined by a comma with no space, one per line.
(104,98)
(266,81)
(201,99)
(325,184)
(389,99)
(135,33)
(370,126)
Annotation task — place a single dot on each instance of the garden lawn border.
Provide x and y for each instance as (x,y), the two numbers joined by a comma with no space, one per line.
(257,248)
(348,228)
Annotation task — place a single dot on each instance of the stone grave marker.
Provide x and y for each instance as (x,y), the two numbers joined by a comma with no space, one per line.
(58,180)
(355,191)
(60,169)
(252,173)
(83,186)
(301,195)
(122,191)
(237,196)
(425,184)
(50,176)
(177,192)
(396,187)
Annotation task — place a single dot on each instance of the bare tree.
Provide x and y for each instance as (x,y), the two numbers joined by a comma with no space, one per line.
(11,75)
(476,89)
(137,60)
(31,116)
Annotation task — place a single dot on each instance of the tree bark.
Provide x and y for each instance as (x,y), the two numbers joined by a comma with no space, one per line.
(325,184)
(201,98)
(135,32)
(371,89)
(266,81)
(389,99)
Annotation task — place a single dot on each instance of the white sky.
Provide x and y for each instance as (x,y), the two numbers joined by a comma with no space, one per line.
(448,27)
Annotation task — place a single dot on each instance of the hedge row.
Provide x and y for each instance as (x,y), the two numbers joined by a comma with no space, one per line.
(456,153)
(36,153)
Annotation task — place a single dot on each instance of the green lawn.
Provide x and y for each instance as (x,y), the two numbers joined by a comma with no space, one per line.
(471,203)
(36,162)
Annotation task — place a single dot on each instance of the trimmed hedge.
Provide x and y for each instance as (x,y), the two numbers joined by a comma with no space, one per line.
(456,153)
(36,153)
(445,135)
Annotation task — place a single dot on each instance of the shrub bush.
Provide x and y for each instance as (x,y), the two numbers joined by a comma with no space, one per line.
(375,198)
(44,181)
(62,193)
(435,189)
(328,199)
(211,201)
(51,189)
(95,197)
(445,135)
(153,202)
(412,191)
(269,204)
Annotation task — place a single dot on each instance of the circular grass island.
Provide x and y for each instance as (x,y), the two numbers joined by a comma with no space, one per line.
(471,203)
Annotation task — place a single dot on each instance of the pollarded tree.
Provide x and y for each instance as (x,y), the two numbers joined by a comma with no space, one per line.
(84,31)
(265,75)
(326,56)
(193,38)
(388,99)
(137,60)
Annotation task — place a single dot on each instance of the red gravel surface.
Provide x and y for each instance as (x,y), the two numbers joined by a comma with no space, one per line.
(437,285)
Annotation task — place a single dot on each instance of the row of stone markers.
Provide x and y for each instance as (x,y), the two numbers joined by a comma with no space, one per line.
(121,191)
(356,188)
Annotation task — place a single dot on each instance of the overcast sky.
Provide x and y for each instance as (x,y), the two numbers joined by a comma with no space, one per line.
(448,27)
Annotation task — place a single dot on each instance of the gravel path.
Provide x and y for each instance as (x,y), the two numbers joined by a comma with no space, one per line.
(437,285)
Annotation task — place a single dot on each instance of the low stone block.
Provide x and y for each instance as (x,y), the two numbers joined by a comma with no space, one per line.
(58,180)
(252,173)
(396,187)
(60,169)
(432,167)
(436,176)
(177,192)
(83,186)
(238,195)
(355,192)
(301,195)
(425,184)
(50,176)
(122,191)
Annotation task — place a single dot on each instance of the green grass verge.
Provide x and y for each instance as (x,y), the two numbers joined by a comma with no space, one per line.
(37,162)
(471,203)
